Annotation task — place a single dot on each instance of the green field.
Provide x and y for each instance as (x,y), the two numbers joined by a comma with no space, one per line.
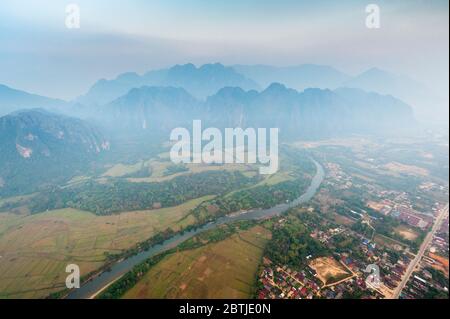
(35,249)
(158,169)
(225,269)
(119,170)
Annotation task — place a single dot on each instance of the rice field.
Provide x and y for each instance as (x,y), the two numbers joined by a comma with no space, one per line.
(35,249)
(225,269)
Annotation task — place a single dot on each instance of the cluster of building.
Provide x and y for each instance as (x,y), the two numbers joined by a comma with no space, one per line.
(325,235)
(392,263)
(437,255)
(431,187)
(337,177)
(393,273)
(281,282)
(398,205)
(391,256)
(392,266)
(430,279)
(423,285)
(352,288)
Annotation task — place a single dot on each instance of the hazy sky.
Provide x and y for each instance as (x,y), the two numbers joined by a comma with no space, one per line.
(39,54)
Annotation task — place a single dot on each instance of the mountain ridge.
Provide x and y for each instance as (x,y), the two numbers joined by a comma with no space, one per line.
(198,81)
(344,110)
(12,100)
(206,80)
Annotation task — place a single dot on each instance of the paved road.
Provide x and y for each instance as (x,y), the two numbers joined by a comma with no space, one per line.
(412,265)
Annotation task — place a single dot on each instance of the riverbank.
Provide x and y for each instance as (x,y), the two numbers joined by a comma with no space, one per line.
(120,268)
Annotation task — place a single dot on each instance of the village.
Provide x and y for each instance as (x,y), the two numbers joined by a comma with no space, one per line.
(387,233)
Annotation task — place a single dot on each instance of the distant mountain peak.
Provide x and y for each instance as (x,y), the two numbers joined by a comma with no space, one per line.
(183,67)
(231,90)
(278,88)
(190,67)
(128,76)
(313,91)
(298,77)
(156,89)
(375,73)
(214,66)
(200,82)
(4,87)
(233,94)
(12,100)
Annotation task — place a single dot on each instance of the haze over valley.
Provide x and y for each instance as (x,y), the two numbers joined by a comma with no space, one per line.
(93,118)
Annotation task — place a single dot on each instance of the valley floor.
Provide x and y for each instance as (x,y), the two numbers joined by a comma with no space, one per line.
(218,270)
(35,249)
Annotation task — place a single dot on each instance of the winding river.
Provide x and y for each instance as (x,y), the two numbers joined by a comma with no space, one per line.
(92,287)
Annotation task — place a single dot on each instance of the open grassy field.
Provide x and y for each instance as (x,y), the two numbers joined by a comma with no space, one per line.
(342,220)
(389,242)
(158,170)
(119,170)
(406,169)
(407,232)
(224,269)
(35,249)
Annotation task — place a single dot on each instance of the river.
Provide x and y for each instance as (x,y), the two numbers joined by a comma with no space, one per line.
(118,269)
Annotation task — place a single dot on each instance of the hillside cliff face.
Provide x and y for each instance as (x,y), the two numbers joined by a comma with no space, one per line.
(37,146)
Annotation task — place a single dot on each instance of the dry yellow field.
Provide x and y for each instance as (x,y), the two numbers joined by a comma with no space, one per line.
(407,232)
(329,270)
(158,169)
(219,270)
(342,220)
(34,250)
(406,169)
(119,170)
